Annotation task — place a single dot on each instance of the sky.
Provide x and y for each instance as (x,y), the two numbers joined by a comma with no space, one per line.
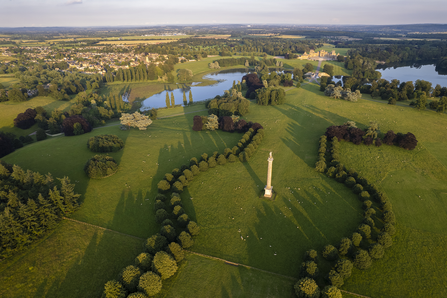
(81,13)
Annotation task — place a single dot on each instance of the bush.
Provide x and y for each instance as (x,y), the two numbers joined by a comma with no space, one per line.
(331,292)
(389,228)
(356,239)
(25,120)
(389,137)
(185,240)
(385,240)
(130,276)
(150,283)
(307,288)
(144,261)
(163,186)
(156,243)
(69,122)
(362,260)
(193,228)
(344,268)
(100,166)
(309,269)
(40,134)
(168,232)
(164,265)
(114,289)
(376,251)
(105,143)
(177,251)
(345,246)
(330,253)
(183,220)
(335,278)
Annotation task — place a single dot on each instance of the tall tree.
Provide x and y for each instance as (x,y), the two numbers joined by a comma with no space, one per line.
(172,100)
(190,97)
(168,105)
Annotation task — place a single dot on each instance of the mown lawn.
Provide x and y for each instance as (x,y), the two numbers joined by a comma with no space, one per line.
(309,211)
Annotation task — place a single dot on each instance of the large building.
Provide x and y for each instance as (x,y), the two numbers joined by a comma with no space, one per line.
(318,55)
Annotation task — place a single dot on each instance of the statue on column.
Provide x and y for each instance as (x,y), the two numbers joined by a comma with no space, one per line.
(269,188)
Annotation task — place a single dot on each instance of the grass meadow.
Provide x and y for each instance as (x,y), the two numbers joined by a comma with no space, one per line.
(310,210)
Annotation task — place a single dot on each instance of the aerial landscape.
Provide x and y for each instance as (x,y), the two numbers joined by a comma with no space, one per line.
(223,149)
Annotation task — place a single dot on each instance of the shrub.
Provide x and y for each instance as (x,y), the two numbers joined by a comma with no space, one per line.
(163,186)
(335,278)
(309,269)
(177,186)
(168,232)
(197,126)
(389,228)
(161,215)
(177,251)
(159,205)
(376,251)
(156,243)
(183,220)
(25,120)
(105,143)
(144,261)
(193,228)
(385,239)
(40,134)
(130,276)
(114,289)
(178,210)
(69,122)
(331,292)
(362,260)
(330,253)
(150,283)
(356,238)
(164,265)
(389,137)
(311,255)
(344,268)
(307,288)
(185,240)
(378,142)
(100,166)
(364,195)
(357,189)
(345,246)
(203,166)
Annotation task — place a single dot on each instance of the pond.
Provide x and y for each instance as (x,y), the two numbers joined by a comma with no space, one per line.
(199,93)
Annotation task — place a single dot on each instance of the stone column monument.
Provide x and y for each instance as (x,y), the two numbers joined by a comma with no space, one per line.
(269,188)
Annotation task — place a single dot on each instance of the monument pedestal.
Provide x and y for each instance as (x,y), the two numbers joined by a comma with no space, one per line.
(268,192)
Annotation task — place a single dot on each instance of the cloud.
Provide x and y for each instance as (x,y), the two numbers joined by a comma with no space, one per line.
(71,2)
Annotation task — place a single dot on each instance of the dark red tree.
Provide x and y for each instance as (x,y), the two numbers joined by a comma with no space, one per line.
(226,123)
(25,120)
(389,138)
(197,126)
(256,126)
(241,126)
(67,125)
(408,141)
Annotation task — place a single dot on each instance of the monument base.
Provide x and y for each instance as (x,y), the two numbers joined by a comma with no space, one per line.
(268,192)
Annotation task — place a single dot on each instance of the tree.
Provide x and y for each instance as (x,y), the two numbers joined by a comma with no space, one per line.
(311,255)
(356,239)
(177,251)
(376,251)
(345,246)
(421,102)
(185,102)
(130,277)
(185,240)
(161,215)
(344,268)
(164,265)
(365,231)
(172,100)
(212,123)
(307,288)
(144,261)
(309,269)
(331,292)
(385,240)
(16,95)
(168,232)
(335,278)
(197,123)
(69,122)
(100,166)
(184,75)
(190,97)
(156,243)
(362,260)
(150,283)
(163,186)
(40,134)
(135,120)
(114,289)
(25,120)
(168,105)
(193,228)
(330,253)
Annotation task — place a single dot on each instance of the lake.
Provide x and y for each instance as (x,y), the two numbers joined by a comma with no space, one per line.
(410,73)
(199,93)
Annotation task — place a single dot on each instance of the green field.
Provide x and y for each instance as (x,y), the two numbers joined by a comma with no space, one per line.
(309,211)
(7,80)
